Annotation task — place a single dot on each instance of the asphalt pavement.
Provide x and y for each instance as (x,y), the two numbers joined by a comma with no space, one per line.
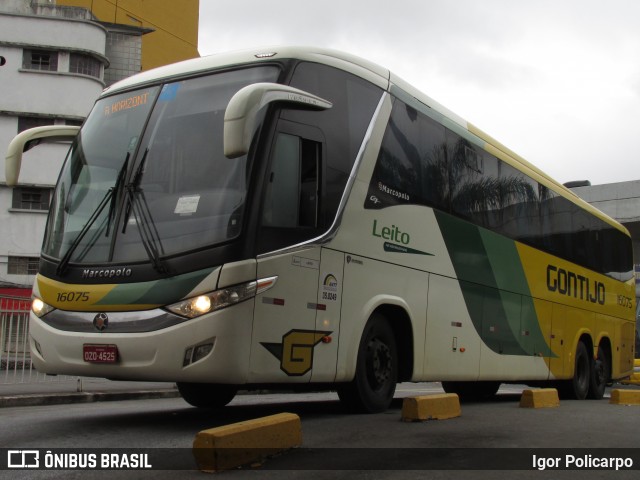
(55,391)
(80,390)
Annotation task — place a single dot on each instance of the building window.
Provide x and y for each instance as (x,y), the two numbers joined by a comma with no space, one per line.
(31,198)
(84,64)
(46,60)
(23,265)
(25,123)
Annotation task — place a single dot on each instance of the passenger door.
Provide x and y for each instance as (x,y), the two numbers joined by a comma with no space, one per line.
(284,332)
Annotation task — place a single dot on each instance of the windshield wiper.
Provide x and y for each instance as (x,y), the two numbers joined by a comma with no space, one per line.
(115,190)
(110,195)
(142,214)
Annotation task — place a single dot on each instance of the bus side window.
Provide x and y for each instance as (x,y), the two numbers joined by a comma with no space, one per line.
(291,203)
(291,198)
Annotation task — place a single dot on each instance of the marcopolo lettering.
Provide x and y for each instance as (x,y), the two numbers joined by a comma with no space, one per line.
(391,233)
(574,285)
(106,273)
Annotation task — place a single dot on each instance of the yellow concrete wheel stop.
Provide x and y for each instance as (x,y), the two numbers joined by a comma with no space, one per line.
(540,398)
(625,397)
(431,407)
(244,443)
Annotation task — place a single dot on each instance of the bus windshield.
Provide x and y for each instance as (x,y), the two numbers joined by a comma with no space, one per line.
(147,177)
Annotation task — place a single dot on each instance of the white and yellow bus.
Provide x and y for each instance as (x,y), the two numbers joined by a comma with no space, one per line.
(303,217)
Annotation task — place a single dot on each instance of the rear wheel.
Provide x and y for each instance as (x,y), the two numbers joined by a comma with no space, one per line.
(578,387)
(600,374)
(207,395)
(374,385)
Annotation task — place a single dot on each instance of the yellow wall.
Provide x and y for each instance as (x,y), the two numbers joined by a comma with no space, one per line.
(175,23)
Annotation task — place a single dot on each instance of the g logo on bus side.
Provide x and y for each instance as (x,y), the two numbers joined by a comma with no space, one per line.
(296,350)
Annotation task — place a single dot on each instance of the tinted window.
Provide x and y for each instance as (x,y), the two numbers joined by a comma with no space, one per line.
(519,205)
(343,125)
(421,162)
(412,165)
(292,206)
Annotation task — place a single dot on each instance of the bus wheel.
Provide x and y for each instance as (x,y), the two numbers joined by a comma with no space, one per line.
(600,375)
(207,395)
(578,387)
(472,391)
(374,385)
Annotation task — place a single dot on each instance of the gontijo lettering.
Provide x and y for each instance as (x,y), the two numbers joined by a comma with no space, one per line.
(574,285)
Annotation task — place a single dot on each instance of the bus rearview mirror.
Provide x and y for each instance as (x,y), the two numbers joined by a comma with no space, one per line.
(28,139)
(243,108)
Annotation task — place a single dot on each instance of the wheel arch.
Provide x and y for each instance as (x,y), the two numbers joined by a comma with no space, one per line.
(583,336)
(605,343)
(400,323)
(395,310)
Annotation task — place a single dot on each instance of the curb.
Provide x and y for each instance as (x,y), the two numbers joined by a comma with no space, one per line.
(83,397)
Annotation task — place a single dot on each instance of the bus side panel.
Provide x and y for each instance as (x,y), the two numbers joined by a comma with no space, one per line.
(559,365)
(546,347)
(452,345)
(605,332)
(624,364)
(569,324)
(369,285)
(329,301)
(584,302)
(509,349)
(284,337)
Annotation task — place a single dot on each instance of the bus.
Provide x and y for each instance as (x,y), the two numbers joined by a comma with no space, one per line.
(303,218)
(634,379)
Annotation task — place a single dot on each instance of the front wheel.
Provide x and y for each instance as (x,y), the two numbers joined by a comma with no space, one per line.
(374,385)
(207,395)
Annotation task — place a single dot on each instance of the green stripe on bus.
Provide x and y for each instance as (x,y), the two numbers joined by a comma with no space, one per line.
(157,292)
(494,288)
(510,277)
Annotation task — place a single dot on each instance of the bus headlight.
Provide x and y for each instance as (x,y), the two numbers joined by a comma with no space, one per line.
(225,297)
(39,307)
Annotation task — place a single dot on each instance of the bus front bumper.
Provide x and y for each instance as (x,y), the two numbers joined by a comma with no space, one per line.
(213,348)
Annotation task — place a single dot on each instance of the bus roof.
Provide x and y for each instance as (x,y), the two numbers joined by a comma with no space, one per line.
(351,63)
(371,72)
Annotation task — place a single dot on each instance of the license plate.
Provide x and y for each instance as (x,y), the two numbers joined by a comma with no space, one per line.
(100,353)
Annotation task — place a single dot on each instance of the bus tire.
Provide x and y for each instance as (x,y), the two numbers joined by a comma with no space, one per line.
(578,387)
(207,395)
(372,389)
(472,391)
(600,374)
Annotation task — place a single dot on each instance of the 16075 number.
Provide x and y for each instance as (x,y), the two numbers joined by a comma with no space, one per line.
(73,297)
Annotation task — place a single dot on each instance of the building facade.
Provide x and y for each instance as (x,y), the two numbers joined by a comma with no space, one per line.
(52,73)
(171,27)
(55,59)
